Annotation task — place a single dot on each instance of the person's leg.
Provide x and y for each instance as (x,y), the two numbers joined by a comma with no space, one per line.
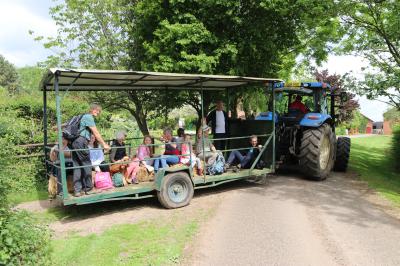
(172,159)
(219,144)
(246,159)
(235,155)
(131,167)
(57,173)
(77,174)
(231,158)
(156,164)
(84,174)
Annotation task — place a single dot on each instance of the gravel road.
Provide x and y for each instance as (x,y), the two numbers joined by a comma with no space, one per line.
(292,221)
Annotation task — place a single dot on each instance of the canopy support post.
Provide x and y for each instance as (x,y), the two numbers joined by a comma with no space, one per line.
(59,135)
(45,128)
(273,128)
(202,132)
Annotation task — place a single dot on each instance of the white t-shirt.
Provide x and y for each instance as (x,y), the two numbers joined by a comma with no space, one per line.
(220,122)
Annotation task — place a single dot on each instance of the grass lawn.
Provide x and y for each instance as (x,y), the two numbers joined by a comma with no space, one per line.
(154,242)
(371,158)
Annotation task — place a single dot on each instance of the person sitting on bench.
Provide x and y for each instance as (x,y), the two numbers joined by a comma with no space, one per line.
(245,161)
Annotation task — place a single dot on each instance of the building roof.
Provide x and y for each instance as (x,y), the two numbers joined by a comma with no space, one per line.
(112,80)
(367,117)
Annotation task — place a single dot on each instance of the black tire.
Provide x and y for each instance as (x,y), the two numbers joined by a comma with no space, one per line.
(176,190)
(316,161)
(342,154)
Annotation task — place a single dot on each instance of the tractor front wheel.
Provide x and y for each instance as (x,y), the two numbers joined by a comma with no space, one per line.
(317,152)
(342,154)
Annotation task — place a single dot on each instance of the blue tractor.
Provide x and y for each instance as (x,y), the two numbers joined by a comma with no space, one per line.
(305,128)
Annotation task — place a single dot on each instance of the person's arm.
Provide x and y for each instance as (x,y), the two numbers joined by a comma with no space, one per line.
(99,138)
(53,154)
(112,154)
(209,117)
(67,154)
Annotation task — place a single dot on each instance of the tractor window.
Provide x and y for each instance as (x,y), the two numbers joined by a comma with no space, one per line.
(309,102)
(281,103)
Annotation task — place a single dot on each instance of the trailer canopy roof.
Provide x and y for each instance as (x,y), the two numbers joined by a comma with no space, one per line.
(110,80)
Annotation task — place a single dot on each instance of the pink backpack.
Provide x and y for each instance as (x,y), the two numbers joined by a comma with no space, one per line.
(102,180)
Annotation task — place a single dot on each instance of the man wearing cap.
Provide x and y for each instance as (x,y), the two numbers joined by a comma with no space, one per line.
(219,124)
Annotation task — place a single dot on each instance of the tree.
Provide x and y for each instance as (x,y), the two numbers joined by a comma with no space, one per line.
(373,30)
(8,76)
(252,38)
(346,110)
(392,115)
(246,38)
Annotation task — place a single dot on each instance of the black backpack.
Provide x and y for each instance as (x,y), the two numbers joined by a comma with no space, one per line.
(71,130)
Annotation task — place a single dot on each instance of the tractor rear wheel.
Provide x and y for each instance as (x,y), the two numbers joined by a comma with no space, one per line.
(342,154)
(317,152)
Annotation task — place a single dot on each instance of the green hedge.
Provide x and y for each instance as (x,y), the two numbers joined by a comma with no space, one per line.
(396,146)
(23,240)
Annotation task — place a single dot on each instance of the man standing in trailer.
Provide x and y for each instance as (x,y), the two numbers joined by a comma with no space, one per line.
(219,125)
(83,176)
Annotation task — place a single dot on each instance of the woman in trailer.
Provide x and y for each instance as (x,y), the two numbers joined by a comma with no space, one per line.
(189,156)
(143,154)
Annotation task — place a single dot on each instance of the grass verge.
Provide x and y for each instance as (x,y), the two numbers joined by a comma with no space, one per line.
(371,157)
(20,197)
(153,242)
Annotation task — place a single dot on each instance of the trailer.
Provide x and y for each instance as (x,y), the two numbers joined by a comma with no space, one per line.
(174,186)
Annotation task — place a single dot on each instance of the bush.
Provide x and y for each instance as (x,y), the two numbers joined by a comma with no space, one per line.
(22,240)
(396,146)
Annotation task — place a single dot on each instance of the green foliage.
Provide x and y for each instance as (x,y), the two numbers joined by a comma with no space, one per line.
(29,79)
(22,240)
(396,147)
(373,30)
(345,109)
(340,130)
(8,76)
(392,115)
(90,34)
(253,38)
(213,36)
(357,122)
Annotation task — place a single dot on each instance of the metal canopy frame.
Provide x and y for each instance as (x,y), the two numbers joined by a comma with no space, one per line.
(58,79)
(112,80)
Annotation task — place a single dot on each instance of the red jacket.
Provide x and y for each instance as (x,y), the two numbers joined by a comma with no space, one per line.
(297,105)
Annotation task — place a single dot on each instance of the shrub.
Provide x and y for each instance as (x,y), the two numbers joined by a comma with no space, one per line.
(396,146)
(23,240)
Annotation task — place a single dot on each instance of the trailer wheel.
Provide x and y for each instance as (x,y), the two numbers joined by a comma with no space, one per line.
(317,152)
(176,190)
(342,154)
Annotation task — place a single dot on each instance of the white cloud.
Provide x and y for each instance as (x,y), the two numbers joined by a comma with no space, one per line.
(15,42)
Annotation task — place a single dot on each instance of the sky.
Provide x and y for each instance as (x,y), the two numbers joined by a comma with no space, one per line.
(17,17)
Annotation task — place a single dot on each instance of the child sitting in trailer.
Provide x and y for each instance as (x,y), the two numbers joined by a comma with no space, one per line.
(188,155)
(54,157)
(96,155)
(143,153)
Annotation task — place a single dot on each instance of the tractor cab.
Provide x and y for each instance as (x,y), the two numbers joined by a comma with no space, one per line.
(302,104)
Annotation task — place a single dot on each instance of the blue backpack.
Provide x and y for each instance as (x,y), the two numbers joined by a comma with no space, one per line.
(216,167)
